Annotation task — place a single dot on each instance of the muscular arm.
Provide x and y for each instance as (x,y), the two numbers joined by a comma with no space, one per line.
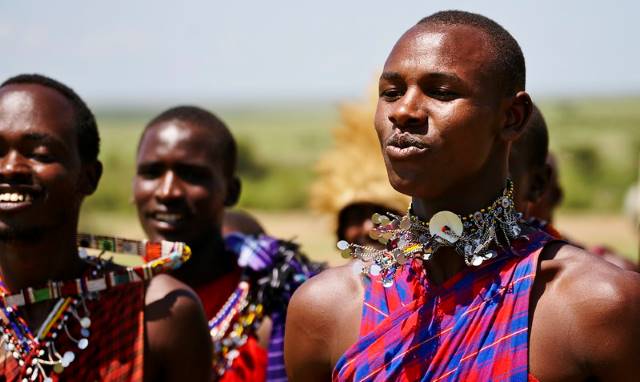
(585,323)
(178,342)
(610,329)
(323,320)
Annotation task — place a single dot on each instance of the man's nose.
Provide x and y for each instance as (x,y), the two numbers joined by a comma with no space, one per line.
(169,187)
(14,168)
(409,111)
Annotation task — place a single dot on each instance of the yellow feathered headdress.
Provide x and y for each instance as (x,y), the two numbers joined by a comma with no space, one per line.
(353,171)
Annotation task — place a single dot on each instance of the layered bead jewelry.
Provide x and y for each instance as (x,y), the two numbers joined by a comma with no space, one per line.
(272,270)
(37,353)
(407,237)
(245,317)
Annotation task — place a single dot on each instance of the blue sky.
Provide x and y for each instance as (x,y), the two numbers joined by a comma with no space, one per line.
(147,52)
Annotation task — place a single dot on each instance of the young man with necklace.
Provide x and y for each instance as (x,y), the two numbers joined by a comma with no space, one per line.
(60,320)
(473,294)
(185,177)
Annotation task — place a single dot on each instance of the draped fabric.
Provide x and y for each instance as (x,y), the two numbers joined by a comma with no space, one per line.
(473,327)
(116,344)
(274,269)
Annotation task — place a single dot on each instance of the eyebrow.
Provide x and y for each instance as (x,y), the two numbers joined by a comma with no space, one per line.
(395,76)
(390,76)
(42,138)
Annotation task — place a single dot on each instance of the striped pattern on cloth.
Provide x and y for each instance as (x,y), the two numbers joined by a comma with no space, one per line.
(473,327)
(116,345)
(265,256)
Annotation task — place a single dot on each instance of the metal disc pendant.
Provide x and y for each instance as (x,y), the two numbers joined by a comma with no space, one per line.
(374,270)
(342,245)
(83,343)
(477,261)
(68,357)
(446,225)
(85,322)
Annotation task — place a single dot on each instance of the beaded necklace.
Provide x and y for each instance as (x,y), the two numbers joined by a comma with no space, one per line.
(246,318)
(37,353)
(407,237)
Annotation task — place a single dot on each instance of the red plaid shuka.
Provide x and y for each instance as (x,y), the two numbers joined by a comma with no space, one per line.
(474,327)
(251,364)
(116,344)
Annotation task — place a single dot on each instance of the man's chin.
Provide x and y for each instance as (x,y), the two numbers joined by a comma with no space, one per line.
(17,233)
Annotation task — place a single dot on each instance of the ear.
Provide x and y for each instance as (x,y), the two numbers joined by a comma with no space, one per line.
(540,182)
(518,111)
(90,177)
(234,186)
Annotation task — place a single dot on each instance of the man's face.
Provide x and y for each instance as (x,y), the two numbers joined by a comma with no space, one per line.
(180,187)
(438,114)
(40,166)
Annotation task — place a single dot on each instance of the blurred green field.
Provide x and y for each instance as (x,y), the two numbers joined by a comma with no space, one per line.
(597,142)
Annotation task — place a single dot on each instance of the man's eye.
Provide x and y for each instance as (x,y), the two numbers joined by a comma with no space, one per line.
(149,172)
(42,156)
(390,94)
(443,94)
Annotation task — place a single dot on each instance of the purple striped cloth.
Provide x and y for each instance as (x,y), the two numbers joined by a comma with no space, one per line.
(474,327)
(276,269)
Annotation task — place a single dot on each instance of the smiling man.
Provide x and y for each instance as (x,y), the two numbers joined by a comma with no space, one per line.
(464,290)
(52,326)
(186,176)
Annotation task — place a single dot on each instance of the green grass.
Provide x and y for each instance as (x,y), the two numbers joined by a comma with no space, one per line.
(597,141)
(598,146)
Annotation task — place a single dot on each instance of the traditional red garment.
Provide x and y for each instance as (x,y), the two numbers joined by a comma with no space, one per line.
(251,364)
(116,344)
(474,327)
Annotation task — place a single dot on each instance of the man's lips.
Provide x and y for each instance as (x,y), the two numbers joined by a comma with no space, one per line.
(168,219)
(14,199)
(404,146)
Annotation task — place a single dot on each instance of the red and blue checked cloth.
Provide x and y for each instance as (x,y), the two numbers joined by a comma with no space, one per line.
(116,345)
(474,327)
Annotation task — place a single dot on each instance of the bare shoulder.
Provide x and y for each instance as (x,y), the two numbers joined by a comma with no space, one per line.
(329,291)
(586,282)
(176,332)
(594,308)
(323,320)
(162,285)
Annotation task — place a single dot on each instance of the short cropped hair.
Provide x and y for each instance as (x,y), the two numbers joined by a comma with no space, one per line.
(85,122)
(508,63)
(225,143)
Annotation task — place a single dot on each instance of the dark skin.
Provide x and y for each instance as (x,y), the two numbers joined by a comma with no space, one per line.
(181,191)
(40,160)
(436,87)
(532,180)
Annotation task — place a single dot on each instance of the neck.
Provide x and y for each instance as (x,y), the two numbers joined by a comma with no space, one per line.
(32,261)
(463,199)
(209,261)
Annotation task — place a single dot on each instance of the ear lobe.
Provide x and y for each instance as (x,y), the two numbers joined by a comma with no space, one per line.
(233,192)
(518,114)
(91,174)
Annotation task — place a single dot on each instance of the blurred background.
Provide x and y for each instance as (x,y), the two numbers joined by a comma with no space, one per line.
(277,72)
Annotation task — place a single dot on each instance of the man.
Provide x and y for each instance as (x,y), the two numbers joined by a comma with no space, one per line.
(527,163)
(186,176)
(451,102)
(538,193)
(48,164)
